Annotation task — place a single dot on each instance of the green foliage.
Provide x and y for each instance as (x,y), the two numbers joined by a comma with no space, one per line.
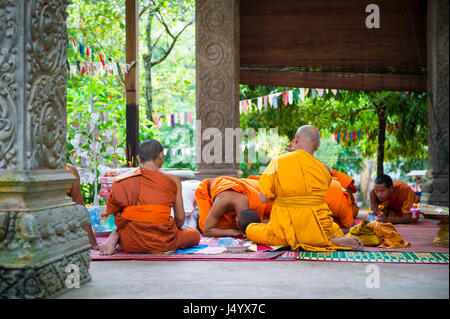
(349,111)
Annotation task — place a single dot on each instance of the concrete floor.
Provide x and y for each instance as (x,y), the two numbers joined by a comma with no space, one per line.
(129,279)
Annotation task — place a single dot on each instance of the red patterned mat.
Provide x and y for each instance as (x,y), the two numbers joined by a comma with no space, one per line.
(205,241)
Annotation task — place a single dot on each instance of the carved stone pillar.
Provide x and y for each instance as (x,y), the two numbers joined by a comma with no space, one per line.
(43,249)
(436,190)
(217,82)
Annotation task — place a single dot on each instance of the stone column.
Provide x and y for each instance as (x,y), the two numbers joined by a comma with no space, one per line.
(217,83)
(43,249)
(436,190)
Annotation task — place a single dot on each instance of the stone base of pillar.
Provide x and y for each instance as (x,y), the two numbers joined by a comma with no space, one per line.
(43,248)
(203,174)
(436,191)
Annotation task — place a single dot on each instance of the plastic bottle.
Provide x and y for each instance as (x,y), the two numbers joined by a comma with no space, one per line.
(370,217)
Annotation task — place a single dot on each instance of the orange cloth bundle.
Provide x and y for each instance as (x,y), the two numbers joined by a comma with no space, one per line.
(389,234)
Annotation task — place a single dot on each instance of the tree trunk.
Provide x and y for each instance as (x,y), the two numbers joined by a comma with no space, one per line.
(148,69)
(381,111)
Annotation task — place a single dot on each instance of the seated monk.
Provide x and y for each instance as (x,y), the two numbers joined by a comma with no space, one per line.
(390,200)
(141,201)
(75,193)
(348,184)
(340,200)
(296,183)
(221,200)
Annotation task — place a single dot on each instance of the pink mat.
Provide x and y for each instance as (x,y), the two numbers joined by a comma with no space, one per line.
(420,236)
(210,241)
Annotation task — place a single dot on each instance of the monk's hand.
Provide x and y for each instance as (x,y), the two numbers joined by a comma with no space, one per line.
(289,149)
(381,217)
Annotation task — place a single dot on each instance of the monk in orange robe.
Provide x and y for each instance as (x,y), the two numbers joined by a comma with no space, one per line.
(221,200)
(340,199)
(141,201)
(296,183)
(75,192)
(391,200)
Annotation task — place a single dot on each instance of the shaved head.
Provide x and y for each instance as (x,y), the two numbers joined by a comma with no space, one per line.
(309,133)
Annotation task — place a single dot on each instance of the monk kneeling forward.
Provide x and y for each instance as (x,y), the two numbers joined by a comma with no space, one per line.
(221,201)
(141,201)
(391,200)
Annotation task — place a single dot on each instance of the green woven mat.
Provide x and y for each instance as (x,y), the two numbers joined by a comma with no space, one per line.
(376,256)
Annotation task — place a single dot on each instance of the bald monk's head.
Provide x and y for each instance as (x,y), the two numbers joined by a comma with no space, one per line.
(307,138)
(151,151)
(246,217)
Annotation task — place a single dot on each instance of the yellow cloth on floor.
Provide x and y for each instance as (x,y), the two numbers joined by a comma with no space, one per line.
(297,182)
(365,234)
(387,231)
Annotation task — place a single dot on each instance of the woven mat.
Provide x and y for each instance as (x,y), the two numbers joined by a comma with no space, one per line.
(195,254)
(422,249)
(376,257)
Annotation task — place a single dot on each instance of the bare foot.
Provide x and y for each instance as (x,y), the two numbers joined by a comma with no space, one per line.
(109,245)
(352,242)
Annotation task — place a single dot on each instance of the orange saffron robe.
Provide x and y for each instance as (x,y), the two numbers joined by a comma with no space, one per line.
(248,187)
(340,204)
(403,198)
(347,183)
(141,201)
(297,182)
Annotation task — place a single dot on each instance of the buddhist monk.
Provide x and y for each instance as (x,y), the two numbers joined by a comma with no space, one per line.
(340,201)
(391,200)
(221,200)
(296,183)
(339,198)
(77,197)
(141,201)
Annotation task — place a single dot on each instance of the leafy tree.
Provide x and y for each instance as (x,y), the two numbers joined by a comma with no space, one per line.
(166,21)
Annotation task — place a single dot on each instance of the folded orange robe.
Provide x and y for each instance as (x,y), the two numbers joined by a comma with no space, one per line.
(141,202)
(403,198)
(386,231)
(248,187)
(297,182)
(340,204)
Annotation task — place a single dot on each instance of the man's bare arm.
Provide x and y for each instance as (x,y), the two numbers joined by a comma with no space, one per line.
(263,199)
(219,207)
(404,219)
(178,207)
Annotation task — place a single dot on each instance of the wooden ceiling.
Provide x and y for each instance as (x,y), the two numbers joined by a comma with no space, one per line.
(326,44)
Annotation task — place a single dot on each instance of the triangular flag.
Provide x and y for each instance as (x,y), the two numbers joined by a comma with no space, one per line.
(295,95)
(265,102)
(320,91)
(74,44)
(245,106)
(190,116)
(290,97)
(275,101)
(334,91)
(302,94)
(260,103)
(313,93)
(271,99)
(285,98)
